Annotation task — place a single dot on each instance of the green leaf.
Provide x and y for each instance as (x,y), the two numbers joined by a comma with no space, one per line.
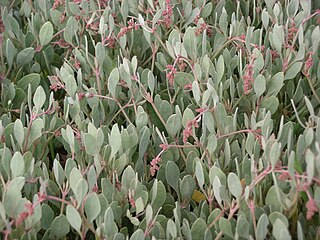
(18,132)
(173,125)
(39,98)
(139,205)
(144,141)
(36,130)
(183,78)
(70,30)
(274,154)
(127,176)
(262,227)
(12,196)
(199,174)
(189,42)
(71,85)
(272,199)
(187,116)
(142,118)
(74,177)
(81,190)
(25,56)
(46,33)
(187,187)
(60,226)
(225,227)
(74,218)
(91,149)
(242,227)
(115,140)
(158,196)
(11,51)
(259,85)
(47,216)
(33,79)
(171,230)
(198,229)
(212,143)
(58,172)
(223,21)
(277,215)
(277,37)
(217,172)
(17,165)
(275,84)
(113,81)
(234,185)
(310,160)
(92,207)
(265,18)
(172,175)
(271,104)
(110,228)
(196,92)
(280,231)
(138,235)
(293,70)
(220,69)
(206,11)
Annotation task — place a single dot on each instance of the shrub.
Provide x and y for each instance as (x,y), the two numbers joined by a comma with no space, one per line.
(159,119)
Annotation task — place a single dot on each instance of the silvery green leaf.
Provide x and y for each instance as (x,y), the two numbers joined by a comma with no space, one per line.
(39,98)
(74,218)
(18,132)
(25,56)
(60,226)
(199,174)
(234,185)
(172,175)
(115,140)
(173,125)
(81,190)
(259,85)
(262,227)
(46,33)
(58,172)
(113,81)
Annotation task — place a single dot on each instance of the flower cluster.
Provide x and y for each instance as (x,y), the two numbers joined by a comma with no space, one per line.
(274,54)
(61,43)
(182,65)
(203,26)
(57,3)
(187,132)
(167,14)
(1,26)
(188,86)
(308,64)
(131,199)
(154,165)
(23,216)
(311,208)
(131,25)
(248,79)
(292,32)
(56,84)
(171,73)
(109,41)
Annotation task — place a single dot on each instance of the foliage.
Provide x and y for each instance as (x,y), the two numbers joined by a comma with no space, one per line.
(159,119)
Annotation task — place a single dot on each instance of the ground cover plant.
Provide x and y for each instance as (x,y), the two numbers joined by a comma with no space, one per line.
(169,119)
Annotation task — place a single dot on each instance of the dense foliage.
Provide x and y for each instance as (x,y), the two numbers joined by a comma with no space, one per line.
(169,119)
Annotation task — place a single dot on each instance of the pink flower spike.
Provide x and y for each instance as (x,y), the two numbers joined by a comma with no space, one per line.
(311,208)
